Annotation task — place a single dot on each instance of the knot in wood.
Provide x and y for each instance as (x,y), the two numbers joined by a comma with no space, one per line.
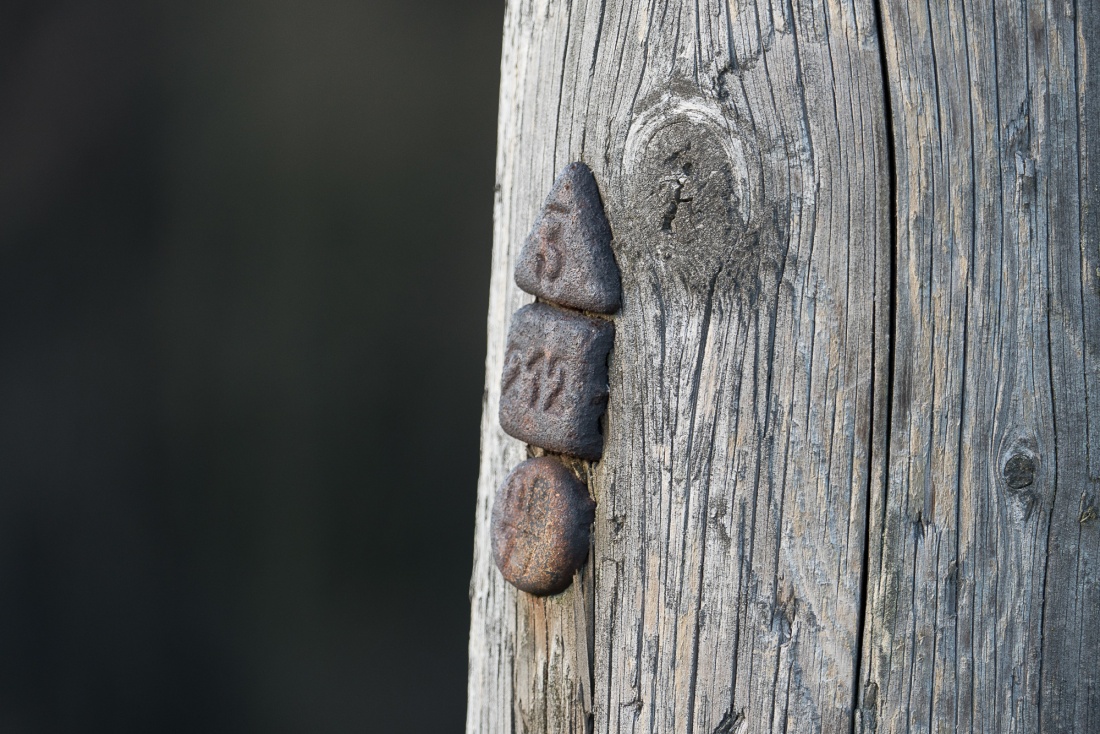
(684,212)
(1019,471)
(541,525)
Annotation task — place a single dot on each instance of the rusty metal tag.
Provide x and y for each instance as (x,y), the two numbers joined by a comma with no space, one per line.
(542,519)
(554,388)
(567,258)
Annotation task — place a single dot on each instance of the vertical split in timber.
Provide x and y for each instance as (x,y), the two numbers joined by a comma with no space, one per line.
(741,153)
(984,597)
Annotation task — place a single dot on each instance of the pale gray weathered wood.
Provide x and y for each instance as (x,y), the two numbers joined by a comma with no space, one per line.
(984,600)
(777,238)
(741,152)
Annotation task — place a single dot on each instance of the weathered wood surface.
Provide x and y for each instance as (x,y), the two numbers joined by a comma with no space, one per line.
(763,443)
(741,155)
(984,600)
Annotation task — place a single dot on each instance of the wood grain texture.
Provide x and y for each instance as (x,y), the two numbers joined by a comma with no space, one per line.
(984,599)
(740,148)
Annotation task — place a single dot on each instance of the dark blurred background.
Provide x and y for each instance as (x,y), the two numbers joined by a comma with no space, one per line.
(244,260)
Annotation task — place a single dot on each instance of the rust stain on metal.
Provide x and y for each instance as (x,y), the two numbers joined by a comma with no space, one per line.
(554,389)
(567,258)
(541,526)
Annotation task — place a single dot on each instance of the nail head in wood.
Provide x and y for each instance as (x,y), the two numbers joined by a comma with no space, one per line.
(554,388)
(567,257)
(541,526)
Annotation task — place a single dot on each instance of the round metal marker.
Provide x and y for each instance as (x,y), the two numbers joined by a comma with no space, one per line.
(542,521)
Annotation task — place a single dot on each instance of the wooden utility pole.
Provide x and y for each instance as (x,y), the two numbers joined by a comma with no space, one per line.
(851,479)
